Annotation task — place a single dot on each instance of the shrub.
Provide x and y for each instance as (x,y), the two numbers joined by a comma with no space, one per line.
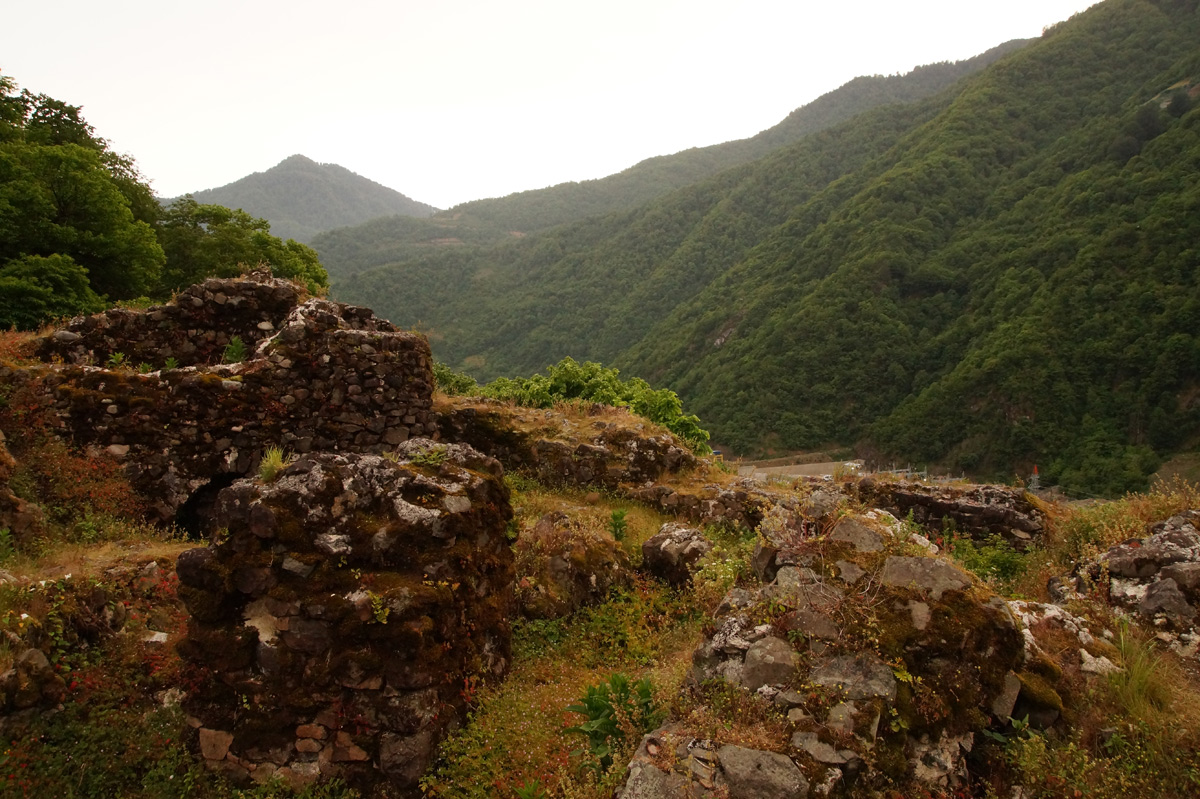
(617,526)
(569,380)
(612,710)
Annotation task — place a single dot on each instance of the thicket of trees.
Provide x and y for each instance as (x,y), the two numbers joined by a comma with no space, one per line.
(1001,275)
(80,227)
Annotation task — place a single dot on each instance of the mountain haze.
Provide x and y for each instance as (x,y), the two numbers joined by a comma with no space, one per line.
(999,276)
(495,220)
(301,198)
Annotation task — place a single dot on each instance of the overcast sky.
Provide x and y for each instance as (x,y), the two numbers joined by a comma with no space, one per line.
(454,100)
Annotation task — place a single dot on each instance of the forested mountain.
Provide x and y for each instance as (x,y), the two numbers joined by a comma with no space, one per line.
(491,221)
(1002,275)
(301,198)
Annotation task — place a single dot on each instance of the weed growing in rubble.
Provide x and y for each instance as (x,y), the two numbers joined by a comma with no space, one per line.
(274,461)
(235,351)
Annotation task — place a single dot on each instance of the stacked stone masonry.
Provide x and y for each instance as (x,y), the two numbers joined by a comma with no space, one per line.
(319,377)
(341,622)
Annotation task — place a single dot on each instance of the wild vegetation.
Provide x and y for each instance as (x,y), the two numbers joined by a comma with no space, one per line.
(568,381)
(999,276)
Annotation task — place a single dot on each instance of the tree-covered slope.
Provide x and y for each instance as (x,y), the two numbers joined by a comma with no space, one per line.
(301,198)
(997,277)
(1012,287)
(492,221)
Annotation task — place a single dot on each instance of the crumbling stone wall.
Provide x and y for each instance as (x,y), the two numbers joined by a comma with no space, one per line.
(351,608)
(604,454)
(978,512)
(329,377)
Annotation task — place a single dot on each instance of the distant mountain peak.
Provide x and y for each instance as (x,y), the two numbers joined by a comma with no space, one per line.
(301,198)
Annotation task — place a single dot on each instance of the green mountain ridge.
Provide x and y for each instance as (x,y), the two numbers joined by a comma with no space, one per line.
(496,220)
(999,276)
(301,198)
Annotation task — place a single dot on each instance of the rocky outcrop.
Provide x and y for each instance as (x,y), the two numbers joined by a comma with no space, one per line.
(674,552)
(978,512)
(1156,577)
(346,611)
(880,661)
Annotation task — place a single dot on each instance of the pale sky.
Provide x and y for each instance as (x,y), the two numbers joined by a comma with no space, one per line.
(454,100)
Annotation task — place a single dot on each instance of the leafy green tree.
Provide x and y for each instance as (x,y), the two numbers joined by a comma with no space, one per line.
(63,192)
(36,289)
(211,240)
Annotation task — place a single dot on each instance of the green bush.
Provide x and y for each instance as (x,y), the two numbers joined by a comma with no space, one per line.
(612,710)
(591,382)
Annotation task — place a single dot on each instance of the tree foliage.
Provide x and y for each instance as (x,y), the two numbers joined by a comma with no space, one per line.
(64,193)
(212,240)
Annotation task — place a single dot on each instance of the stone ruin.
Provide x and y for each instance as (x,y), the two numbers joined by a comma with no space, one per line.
(319,376)
(346,612)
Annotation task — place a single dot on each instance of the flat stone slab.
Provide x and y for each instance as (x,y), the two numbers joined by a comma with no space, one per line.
(755,774)
(933,576)
(861,676)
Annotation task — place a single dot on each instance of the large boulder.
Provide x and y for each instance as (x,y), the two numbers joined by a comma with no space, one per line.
(1156,577)
(341,608)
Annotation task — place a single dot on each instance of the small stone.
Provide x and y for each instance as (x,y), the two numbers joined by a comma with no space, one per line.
(850,572)
(769,661)
(312,731)
(309,746)
(841,717)
(1097,665)
(1006,700)
(214,744)
(118,450)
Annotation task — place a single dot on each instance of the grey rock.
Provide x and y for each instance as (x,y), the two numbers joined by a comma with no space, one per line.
(858,535)
(850,572)
(841,717)
(920,614)
(673,552)
(770,661)
(813,625)
(405,758)
(861,676)
(820,751)
(1164,596)
(1185,575)
(821,503)
(755,774)
(1006,700)
(931,575)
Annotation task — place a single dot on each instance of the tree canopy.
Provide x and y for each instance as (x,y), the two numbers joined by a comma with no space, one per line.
(64,193)
(212,240)
(80,227)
